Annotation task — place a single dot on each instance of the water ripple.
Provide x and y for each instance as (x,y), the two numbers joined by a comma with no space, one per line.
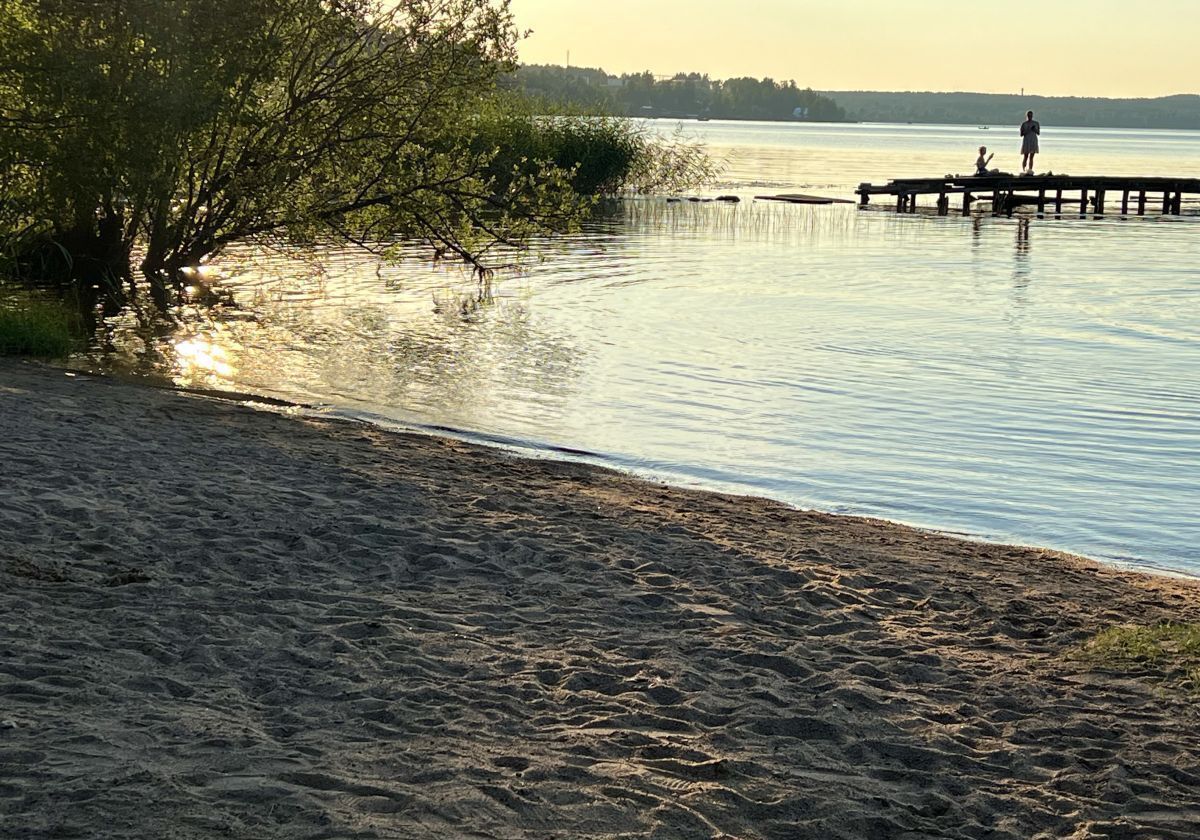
(1024,380)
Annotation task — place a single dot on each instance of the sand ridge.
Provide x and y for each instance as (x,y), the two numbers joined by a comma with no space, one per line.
(220,622)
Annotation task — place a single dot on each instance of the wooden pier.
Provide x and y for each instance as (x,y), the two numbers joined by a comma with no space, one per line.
(1050,194)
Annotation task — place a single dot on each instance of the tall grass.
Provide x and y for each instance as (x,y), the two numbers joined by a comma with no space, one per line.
(31,327)
(604,155)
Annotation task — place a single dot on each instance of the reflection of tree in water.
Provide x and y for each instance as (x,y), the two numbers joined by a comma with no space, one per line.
(502,360)
(350,327)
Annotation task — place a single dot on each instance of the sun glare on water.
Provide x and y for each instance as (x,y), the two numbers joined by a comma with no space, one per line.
(200,358)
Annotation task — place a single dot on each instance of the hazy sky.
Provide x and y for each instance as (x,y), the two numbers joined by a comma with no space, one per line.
(1051,47)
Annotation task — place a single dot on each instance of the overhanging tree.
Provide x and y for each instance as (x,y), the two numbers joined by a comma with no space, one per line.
(149,134)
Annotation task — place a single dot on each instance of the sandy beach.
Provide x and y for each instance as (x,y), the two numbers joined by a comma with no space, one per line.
(225,622)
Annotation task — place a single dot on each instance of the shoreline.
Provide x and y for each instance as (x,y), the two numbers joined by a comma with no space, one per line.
(280,626)
(551,452)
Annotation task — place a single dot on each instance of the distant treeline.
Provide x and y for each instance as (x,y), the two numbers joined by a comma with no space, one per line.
(592,90)
(1181,112)
(682,95)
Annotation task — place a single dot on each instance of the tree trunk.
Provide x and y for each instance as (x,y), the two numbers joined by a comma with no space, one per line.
(101,269)
(90,259)
(162,291)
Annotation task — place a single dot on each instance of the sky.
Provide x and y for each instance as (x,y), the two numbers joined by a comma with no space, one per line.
(1110,48)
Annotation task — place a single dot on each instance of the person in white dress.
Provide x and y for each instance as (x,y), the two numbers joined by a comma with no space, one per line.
(1031,130)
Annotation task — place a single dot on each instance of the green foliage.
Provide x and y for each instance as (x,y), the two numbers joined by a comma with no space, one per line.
(579,88)
(603,155)
(36,328)
(683,95)
(168,130)
(1175,648)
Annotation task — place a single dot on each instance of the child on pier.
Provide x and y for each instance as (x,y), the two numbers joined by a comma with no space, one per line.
(982,162)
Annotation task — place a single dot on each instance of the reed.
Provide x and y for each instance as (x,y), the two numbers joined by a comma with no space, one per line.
(40,328)
(604,155)
(750,221)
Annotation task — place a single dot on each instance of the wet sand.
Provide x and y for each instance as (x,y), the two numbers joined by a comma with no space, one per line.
(222,622)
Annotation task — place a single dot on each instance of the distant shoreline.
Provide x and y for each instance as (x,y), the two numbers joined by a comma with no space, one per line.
(1179,112)
(968,125)
(736,119)
(696,95)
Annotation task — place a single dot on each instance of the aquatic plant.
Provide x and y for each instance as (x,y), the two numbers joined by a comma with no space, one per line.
(30,327)
(603,155)
(750,221)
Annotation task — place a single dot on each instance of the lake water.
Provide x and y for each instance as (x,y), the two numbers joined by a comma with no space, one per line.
(1020,380)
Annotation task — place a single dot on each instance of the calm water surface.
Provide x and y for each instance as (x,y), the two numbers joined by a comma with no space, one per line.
(1023,380)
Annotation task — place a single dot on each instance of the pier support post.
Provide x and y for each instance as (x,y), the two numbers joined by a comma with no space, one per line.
(1178,203)
(1041,202)
(1099,202)
(1166,203)
(1125,203)
(943,204)
(967,199)
(1083,202)
(1058,202)
(900,197)
(1142,203)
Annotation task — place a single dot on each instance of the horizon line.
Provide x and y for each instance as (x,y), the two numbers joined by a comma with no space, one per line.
(867,90)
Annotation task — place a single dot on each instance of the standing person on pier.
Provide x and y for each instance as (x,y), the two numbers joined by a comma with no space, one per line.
(1031,129)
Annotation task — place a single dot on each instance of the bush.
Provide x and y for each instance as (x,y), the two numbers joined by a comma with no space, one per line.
(36,328)
(603,155)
